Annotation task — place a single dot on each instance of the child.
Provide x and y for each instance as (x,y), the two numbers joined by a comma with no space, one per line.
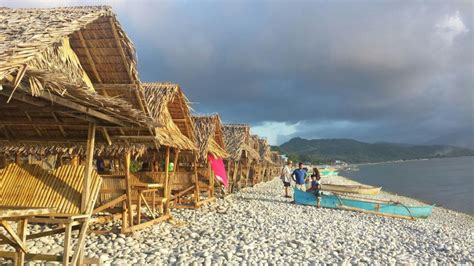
(316,187)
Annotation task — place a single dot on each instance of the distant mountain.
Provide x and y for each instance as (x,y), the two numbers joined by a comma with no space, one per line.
(463,139)
(348,150)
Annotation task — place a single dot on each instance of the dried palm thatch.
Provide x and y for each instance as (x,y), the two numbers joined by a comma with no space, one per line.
(39,50)
(237,141)
(44,149)
(264,150)
(276,158)
(170,108)
(61,69)
(209,139)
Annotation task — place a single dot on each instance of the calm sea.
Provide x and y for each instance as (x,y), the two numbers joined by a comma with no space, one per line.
(445,182)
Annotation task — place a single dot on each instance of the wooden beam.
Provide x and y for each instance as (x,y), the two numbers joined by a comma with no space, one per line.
(89,57)
(128,187)
(126,63)
(106,136)
(167,191)
(21,229)
(61,128)
(196,180)
(23,97)
(79,252)
(17,239)
(15,108)
(83,109)
(113,86)
(64,103)
(37,123)
(67,243)
(86,193)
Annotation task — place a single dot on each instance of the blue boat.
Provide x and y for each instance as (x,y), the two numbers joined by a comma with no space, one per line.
(384,208)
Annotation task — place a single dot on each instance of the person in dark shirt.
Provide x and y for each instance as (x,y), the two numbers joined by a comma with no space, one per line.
(299,176)
(316,188)
(100,165)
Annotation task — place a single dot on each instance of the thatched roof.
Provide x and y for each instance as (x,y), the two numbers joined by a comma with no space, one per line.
(237,141)
(264,150)
(61,69)
(169,106)
(209,136)
(276,158)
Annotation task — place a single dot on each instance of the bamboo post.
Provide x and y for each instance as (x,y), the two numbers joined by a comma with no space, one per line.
(167,181)
(17,158)
(175,164)
(234,176)
(21,229)
(211,180)
(249,167)
(128,187)
(196,181)
(67,243)
(88,167)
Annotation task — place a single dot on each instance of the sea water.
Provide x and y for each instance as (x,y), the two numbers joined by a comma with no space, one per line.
(445,182)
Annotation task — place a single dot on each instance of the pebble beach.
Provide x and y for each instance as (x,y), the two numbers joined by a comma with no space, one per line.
(259,226)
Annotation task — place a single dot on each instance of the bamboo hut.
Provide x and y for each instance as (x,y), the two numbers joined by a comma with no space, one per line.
(277,163)
(266,162)
(153,181)
(242,155)
(69,88)
(256,167)
(191,185)
(210,140)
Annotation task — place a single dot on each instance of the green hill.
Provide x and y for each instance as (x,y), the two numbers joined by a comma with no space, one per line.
(352,151)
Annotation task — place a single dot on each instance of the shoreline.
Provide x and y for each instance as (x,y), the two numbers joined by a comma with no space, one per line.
(429,194)
(389,195)
(410,160)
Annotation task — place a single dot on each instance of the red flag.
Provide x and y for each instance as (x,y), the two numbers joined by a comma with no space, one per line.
(218,167)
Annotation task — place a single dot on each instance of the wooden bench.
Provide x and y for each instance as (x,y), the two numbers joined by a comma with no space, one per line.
(31,188)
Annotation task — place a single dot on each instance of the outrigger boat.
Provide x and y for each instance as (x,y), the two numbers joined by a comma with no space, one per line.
(357,189)
(377,207)
(328,172)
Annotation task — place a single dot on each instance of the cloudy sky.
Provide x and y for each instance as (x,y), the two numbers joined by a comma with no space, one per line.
(398,71)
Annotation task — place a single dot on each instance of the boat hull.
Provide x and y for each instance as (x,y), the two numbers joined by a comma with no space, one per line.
(365,190)
(379,208)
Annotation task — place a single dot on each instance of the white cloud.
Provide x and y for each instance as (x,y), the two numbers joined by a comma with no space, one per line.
(274,131)
(450,27)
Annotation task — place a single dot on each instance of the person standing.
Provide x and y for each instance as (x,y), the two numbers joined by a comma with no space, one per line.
(286,178)
(316,187)
(316,173)
(299,176)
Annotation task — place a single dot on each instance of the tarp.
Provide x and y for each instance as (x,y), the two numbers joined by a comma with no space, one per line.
(218,167)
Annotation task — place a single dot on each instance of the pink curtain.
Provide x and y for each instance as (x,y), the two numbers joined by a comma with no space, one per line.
(218,167)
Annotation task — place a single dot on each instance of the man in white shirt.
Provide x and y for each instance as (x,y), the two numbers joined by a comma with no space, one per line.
(286,178)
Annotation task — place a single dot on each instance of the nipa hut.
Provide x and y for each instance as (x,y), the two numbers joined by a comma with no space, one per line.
(277,162)
(242,155)
(210,140)
(266,162)
(69,88)
(256,168)
(189,188)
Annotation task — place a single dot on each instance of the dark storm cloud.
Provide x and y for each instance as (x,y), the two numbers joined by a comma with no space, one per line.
(396,71)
